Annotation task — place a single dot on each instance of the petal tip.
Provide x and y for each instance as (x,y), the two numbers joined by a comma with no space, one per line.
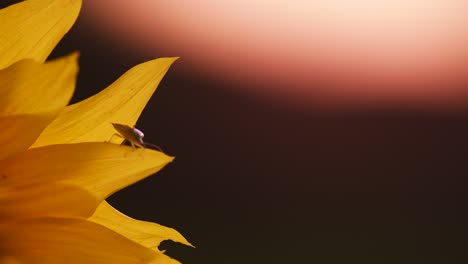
(166,60)
(75,55)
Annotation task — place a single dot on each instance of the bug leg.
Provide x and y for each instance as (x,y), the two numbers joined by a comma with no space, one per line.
(126,152)
(136,147)
(141,153)
(115,134)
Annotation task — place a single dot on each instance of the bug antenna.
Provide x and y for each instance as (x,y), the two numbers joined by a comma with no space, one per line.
(153,146)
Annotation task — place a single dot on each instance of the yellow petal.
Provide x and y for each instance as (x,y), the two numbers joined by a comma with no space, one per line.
(18,132)
(145,233)
(31,29)
(29,87)
(52,199)
(72,241)
(99,168)
(122,102)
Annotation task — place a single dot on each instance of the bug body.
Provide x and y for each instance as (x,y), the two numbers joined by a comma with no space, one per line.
(132,135)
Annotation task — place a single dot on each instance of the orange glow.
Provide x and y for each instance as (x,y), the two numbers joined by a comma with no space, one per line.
(330,50)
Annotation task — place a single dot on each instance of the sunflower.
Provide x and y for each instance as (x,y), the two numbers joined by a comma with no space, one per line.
(56,168)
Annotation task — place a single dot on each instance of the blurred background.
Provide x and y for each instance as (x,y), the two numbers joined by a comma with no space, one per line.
(303,133)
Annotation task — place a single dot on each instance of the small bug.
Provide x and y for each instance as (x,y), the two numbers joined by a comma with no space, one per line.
(132,135)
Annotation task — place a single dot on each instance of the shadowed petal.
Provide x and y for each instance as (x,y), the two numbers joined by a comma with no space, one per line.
(145,233)
(73,241)
(30,87)
(99,168)
(18,132)
(31,29)
(53,199)
(9,260)
(122,102)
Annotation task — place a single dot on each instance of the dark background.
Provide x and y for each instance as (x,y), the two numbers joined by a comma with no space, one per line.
(257,182)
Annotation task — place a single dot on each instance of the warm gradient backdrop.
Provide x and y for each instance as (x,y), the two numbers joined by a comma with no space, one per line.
(328,51)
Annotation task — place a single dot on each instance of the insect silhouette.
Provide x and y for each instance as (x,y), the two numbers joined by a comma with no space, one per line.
(133,135)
